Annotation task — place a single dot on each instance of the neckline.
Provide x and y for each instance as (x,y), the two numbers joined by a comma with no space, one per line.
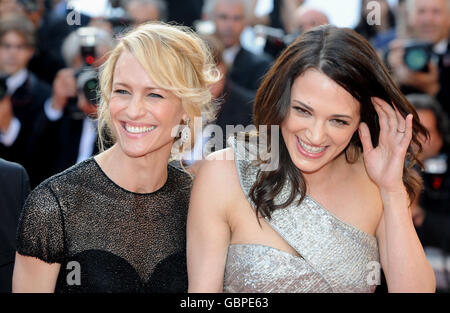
(266,247)
(354,228)
(162,188)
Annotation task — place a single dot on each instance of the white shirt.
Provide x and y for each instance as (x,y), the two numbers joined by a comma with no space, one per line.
(15,81)
(441,47)
(230,54)
(10,136)
(88,131)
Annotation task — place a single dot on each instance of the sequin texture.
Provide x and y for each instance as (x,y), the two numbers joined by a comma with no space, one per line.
(335,256)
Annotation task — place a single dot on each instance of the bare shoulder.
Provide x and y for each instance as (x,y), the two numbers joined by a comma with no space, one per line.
(219,162)
(226,154)
(216,177)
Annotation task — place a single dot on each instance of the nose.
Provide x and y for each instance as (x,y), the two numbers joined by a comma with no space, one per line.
(135,108)
(316,133)
(428,17)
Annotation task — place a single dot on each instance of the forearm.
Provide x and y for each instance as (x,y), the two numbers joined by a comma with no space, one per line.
(406,263)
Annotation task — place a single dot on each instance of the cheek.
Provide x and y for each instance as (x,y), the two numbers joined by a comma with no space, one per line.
(342,137)
(291,124)
(115,106)
(168,114)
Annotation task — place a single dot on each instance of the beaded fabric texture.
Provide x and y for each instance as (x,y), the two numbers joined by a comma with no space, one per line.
(120,240)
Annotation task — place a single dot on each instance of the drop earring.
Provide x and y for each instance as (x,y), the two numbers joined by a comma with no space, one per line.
(186,132)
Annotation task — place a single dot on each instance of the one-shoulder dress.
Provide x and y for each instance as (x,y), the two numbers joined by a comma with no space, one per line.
(335,256)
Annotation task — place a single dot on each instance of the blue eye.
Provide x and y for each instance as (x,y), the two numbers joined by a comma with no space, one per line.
(121,91)
(155,95)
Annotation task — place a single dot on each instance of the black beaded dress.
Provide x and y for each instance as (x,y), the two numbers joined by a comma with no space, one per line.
(113,239)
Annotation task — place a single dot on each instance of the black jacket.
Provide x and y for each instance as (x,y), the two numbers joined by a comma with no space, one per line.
(14,188)
(248,69)
(28,104)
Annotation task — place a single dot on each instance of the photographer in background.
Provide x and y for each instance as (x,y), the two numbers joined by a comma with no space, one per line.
(379,34)
(51,29)
(306,17)
(141,11)
(15,188)
(230,17)
(73,103)
(431,212)
(235,102)
(422,65)
(22,96)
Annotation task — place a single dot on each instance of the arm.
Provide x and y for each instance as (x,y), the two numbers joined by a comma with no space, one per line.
(208,231)
(402,257)
(33,275)
(40,243)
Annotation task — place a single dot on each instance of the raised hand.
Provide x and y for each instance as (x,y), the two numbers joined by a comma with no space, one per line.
(384,163)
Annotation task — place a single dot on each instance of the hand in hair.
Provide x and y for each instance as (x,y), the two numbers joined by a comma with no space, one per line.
(384,163)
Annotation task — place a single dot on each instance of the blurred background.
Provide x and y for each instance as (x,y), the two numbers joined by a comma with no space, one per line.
(51,50)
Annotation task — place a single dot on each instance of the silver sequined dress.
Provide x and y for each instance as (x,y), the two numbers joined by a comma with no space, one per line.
(335,256)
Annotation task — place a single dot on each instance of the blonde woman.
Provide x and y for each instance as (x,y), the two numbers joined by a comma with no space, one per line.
(116,222)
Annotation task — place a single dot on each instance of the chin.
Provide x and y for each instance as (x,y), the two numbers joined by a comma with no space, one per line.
(308,168)
(132,153)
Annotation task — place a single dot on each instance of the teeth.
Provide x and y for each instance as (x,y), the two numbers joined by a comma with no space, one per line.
(311,149)
(138,130)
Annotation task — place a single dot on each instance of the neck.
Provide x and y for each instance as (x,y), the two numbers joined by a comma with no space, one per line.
(144,174)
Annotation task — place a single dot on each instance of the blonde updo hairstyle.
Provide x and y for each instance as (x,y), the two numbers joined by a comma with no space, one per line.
(176,59)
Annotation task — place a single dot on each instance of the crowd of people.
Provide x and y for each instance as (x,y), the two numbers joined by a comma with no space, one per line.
(73,134)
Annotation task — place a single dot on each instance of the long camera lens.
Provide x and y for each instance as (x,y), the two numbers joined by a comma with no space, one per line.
(88,83)
(88,79)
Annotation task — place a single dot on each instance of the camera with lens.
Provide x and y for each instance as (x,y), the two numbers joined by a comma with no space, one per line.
(87,77)
(417,55)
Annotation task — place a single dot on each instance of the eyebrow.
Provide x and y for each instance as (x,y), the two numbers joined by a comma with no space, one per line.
(312,110)
(129,87)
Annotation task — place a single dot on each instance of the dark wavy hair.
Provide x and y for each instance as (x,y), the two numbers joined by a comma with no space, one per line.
(349,60)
